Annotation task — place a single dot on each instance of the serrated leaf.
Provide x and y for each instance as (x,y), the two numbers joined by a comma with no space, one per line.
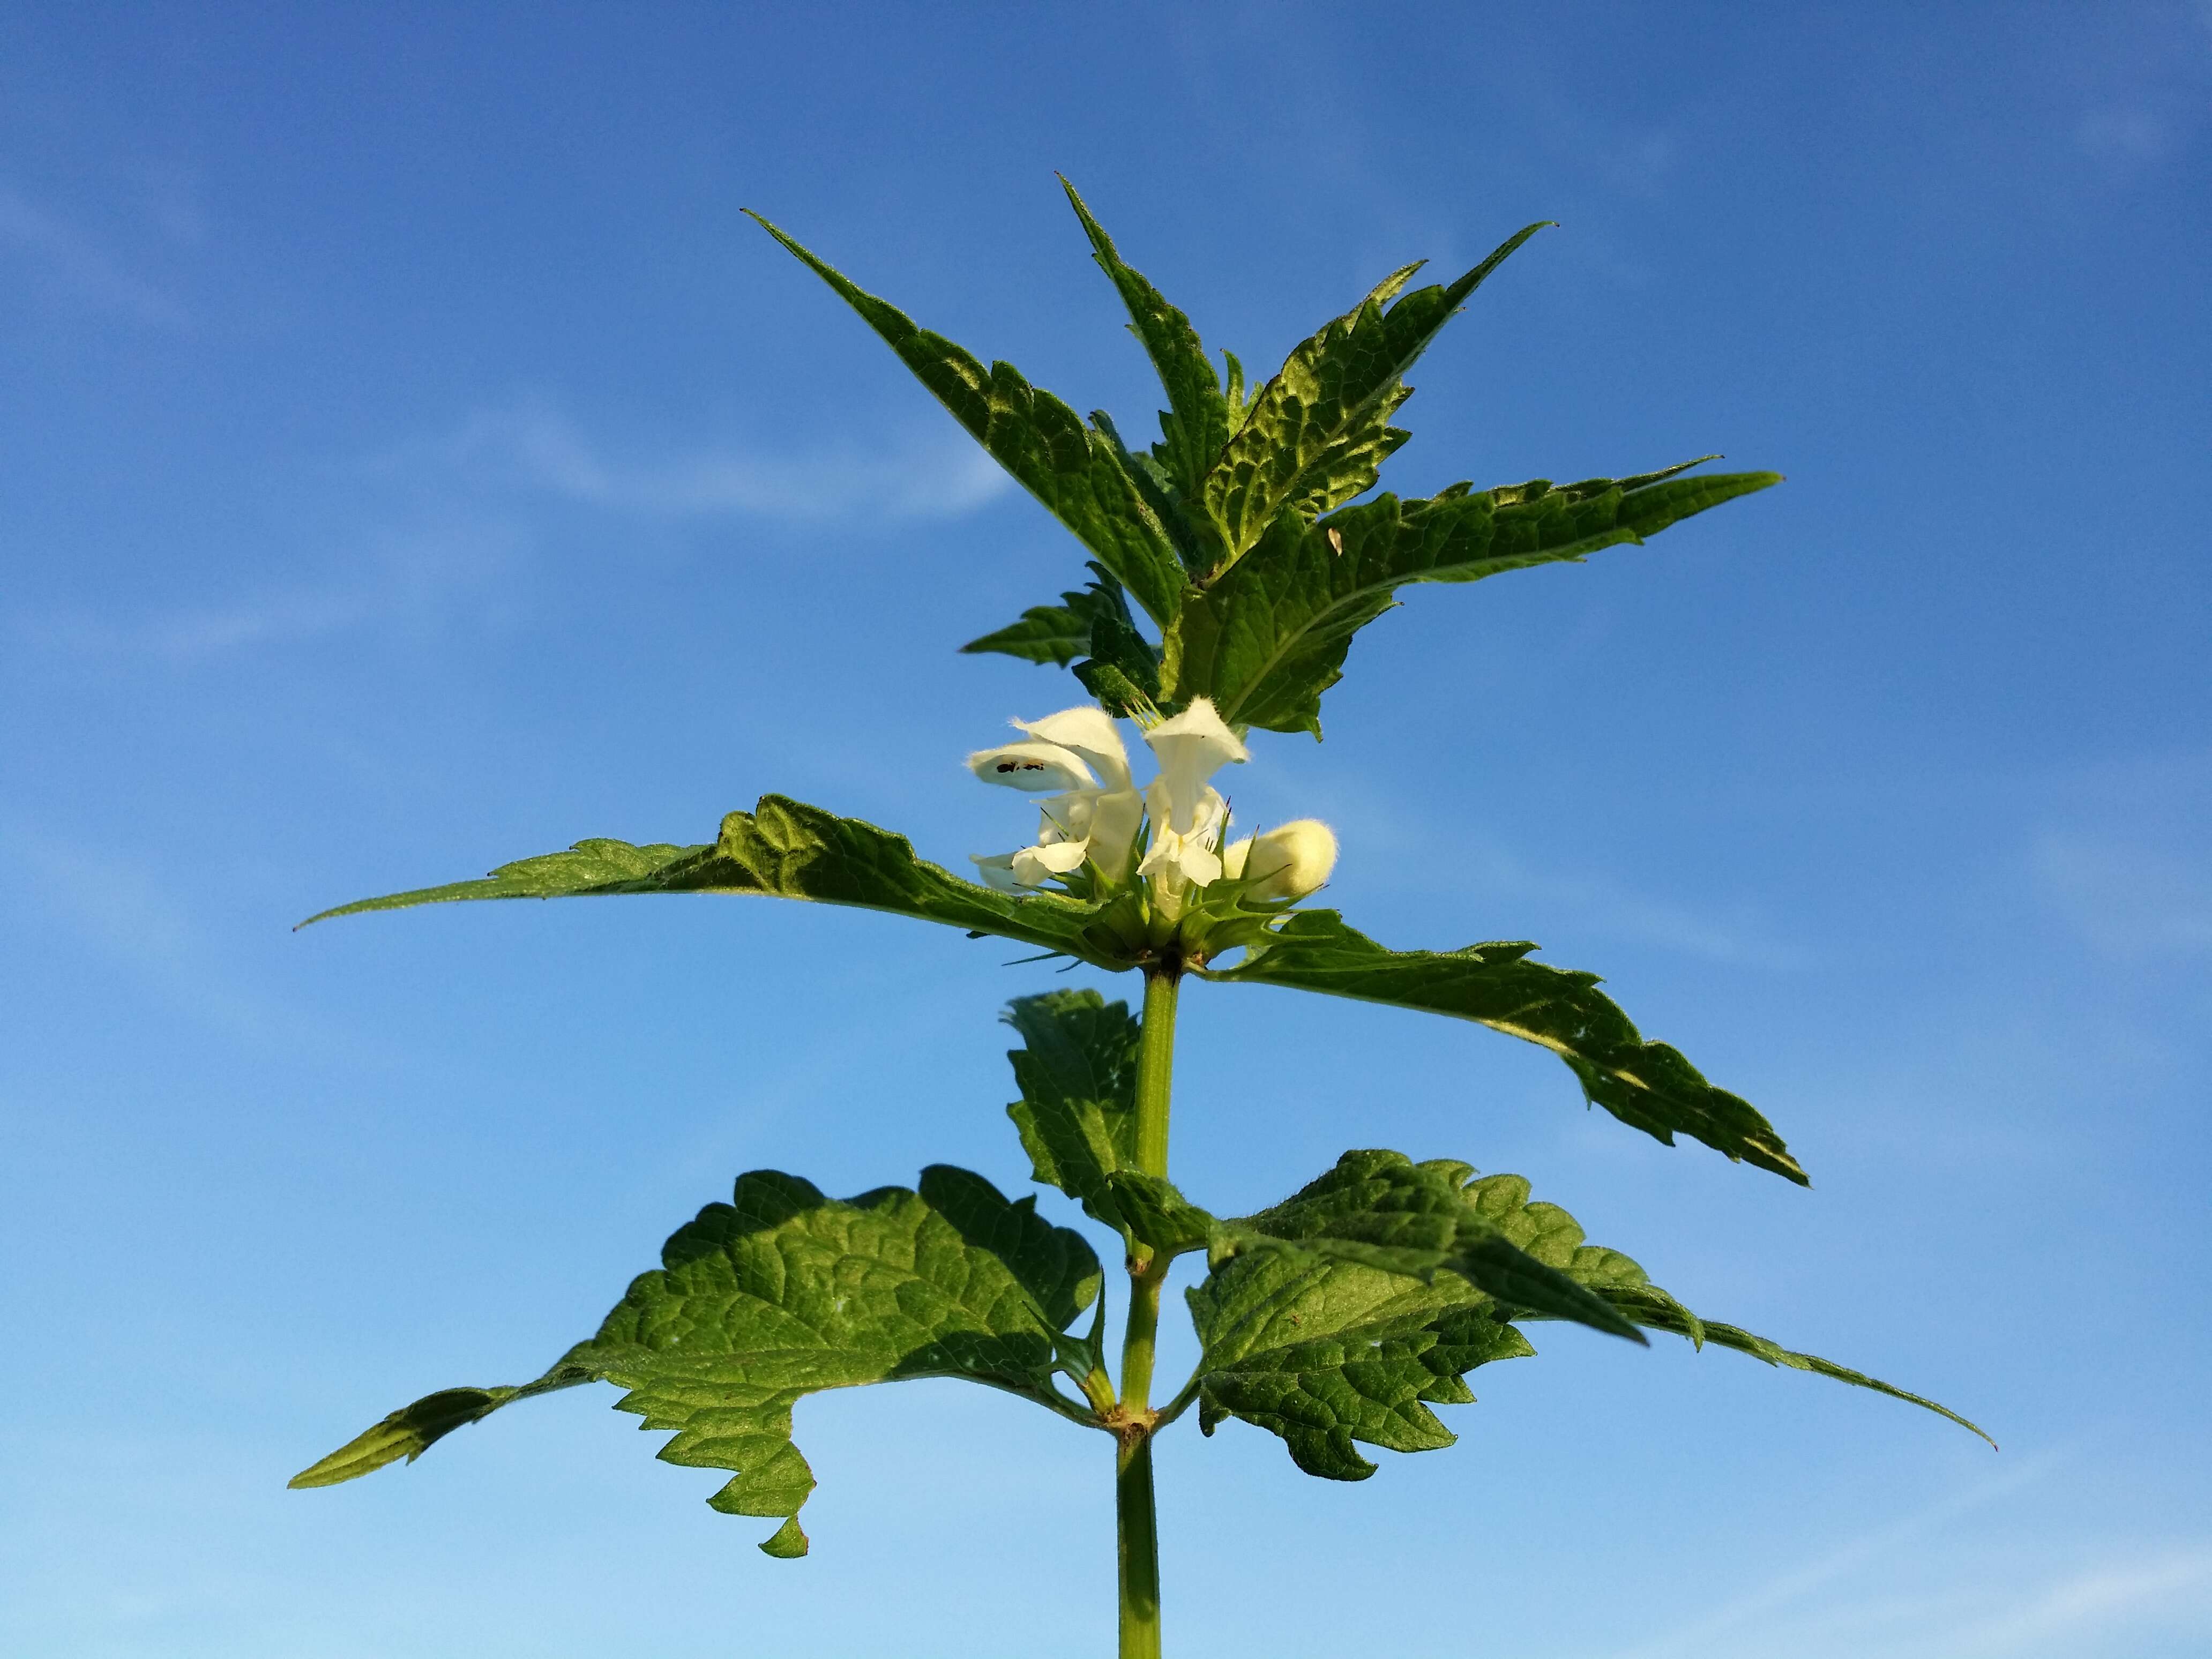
(1160,1217)
(1269,637)
(1116,692)
(1039,438)
(1326,1351)
(1316,433)
(781,1293)
(1382,1210)
(1059,633)
(1652,1307)
(1647,1085)
(1123,672)
(1076,1117)
(1550,1234)
(1193,536)
(413,1430)
(784,848)
(1077,1070)
(1195,427)
(1054,633)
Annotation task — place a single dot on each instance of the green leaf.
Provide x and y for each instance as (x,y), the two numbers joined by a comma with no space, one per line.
(1193,538)
(1054,633)
(1324,1351)
(1039,438)
(1324,1348)
(1552,1236)
(1647,1085)
(1160,1217)
(1317,432)
(413,1430)
(781,1293)
(1059,633)
(1077,1120)
(1382,1210)
(1077,1070)
(1269,637)
(1195,424)
(784,848)
(1123,672)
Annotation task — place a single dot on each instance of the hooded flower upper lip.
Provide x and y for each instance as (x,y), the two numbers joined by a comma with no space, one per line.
(1187,812)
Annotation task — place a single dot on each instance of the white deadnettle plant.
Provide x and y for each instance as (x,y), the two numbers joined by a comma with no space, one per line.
(1094,813)
(1243,539)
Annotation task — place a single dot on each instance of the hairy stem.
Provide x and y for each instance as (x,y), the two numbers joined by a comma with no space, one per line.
(1138,1550)
(1137,1530)
(1156,1068)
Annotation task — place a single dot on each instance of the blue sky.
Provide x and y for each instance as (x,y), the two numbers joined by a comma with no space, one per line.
(418,462)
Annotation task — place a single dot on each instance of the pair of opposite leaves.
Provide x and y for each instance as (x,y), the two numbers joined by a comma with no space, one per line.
(1340,1316)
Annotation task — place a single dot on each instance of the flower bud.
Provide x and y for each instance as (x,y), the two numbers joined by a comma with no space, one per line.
(1288,862)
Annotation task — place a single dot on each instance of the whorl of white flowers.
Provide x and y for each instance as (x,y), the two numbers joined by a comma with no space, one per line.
(1093,811)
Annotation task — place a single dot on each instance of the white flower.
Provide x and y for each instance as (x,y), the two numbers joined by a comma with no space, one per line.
(1288,862)
(1094,810)
(1187,812)
(997,870)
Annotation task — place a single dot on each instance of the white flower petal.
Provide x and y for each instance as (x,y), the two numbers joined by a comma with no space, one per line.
(1113,830)
(1200,865)
(1091,733)
(1187,856)
(1058,858)
(997,870)
(1033,767)
(1191,747)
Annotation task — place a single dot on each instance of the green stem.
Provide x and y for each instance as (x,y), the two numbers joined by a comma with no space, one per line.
(1156,1068)
(1137,1527)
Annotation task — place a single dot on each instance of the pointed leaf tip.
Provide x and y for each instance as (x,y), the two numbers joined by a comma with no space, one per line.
(1040,441)
(789,1541)
(782,1293)
(1647,1085)
(406,1433)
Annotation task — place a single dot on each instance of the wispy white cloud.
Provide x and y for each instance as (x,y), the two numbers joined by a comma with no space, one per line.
(2115,1598)
(1919,1588)
(472,510)
(170,197)
(1496,876)
(534,447)
(416,578)
(2126,135)
(1758,1606)
(113,904)
(2126,900)
(1614,908)
(69,264)
(2148,84)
